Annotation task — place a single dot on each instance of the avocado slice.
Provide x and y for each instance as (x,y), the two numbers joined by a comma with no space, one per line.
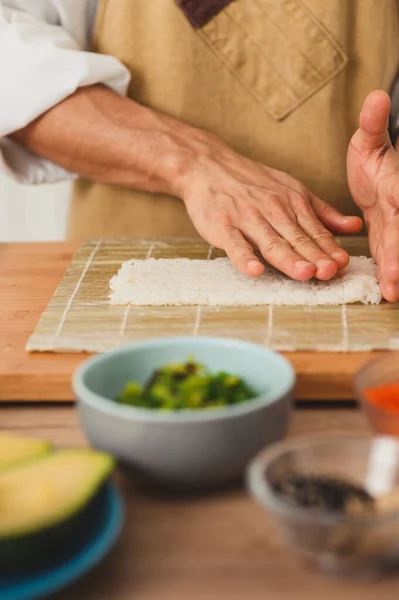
(46,506)
(15,449)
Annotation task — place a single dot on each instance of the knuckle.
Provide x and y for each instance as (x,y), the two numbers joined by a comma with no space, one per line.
(238,245)
(322,237)
(300,240)
(239,250)
(302,190)
(272,245)
(273,199)
(305,210)
(252,215)
(285,216)
(324,209)
(298,197)
(223,217)
(300,203)
(264,195)
(296,185)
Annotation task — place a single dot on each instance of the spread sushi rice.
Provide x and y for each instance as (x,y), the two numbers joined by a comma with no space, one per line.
(185,282)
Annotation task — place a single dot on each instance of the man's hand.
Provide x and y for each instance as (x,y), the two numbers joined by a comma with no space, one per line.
(373,176)
(236,204)
(239,205)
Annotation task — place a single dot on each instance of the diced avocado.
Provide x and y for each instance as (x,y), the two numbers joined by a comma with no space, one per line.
(44,506)
(16,449)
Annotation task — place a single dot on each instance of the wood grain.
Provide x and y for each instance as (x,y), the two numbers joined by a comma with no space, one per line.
(29,275)
(214,547)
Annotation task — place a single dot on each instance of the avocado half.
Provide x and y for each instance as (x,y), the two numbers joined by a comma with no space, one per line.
(15,449)
(46,507)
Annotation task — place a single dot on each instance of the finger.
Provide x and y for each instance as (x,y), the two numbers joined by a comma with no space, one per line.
(378,272)
(373,123)
(311,224)
(389,290)
(241,253)
(374,236)
(301,242)
(279,253)
(335,221)
(390,252)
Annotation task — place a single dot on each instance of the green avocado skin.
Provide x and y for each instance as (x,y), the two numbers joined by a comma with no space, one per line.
(51,546)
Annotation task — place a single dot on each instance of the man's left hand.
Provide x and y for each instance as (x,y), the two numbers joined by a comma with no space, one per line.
(373,177)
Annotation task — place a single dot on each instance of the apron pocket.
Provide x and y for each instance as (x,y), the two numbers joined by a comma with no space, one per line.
(277,49)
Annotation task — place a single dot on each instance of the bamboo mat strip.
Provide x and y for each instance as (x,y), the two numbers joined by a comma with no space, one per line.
(79,317)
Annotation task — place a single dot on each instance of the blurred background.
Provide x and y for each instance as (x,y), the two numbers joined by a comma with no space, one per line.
(33,213)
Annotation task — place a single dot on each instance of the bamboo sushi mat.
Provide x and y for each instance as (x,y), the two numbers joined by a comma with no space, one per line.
(79,317)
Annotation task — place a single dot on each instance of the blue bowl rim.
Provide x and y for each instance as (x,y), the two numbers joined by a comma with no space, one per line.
(130,413)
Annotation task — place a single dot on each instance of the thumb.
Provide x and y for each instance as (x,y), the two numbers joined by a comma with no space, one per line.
(373,123)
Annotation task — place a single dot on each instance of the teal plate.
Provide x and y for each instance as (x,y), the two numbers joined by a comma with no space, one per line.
(109,516)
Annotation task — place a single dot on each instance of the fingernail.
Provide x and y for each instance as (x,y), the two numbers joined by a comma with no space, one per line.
(349,220)
(301,264)
(253,264)
(324,262)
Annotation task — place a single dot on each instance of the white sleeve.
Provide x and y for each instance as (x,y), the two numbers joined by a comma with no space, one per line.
(43,60)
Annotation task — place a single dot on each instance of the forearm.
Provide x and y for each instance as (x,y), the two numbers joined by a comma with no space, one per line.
(235,204)
(113,140)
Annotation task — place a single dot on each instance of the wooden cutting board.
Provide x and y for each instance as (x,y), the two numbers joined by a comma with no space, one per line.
(29,275)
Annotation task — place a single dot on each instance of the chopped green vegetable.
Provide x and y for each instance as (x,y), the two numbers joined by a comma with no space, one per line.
(186,386)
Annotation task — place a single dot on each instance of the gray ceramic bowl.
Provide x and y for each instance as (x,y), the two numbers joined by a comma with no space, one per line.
(190,447)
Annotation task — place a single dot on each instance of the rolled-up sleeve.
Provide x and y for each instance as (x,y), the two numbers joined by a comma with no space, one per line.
(43,60)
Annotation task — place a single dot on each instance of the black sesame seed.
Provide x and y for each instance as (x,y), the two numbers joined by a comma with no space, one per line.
(325,494)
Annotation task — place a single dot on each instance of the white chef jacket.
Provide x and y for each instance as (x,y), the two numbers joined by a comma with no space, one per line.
(44,59)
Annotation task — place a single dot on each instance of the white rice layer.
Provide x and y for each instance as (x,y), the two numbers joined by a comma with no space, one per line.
(185,282)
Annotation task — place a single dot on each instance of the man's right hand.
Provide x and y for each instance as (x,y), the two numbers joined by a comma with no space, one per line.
(238,205)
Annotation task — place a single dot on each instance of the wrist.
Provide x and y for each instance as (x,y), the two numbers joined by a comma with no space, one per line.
(191,153)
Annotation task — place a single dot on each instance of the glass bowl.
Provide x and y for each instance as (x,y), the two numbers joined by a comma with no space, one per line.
(380,371)
(334,543)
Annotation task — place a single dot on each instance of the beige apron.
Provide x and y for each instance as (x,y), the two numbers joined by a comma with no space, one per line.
(281,81)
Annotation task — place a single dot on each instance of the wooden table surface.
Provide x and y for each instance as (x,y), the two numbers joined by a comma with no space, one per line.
(219,547)
(29,274)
